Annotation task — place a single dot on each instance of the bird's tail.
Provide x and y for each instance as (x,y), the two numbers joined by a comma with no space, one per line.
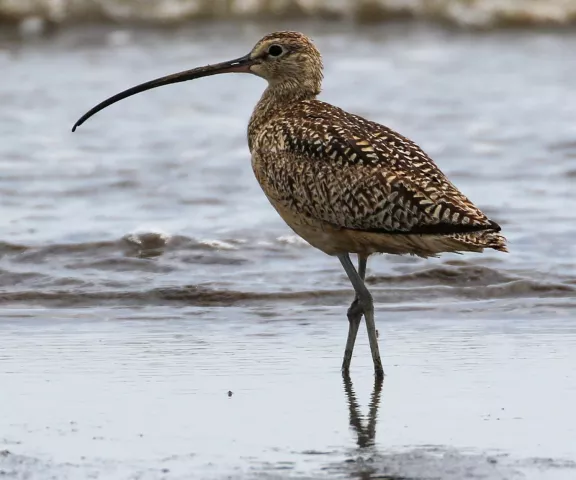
(478,241)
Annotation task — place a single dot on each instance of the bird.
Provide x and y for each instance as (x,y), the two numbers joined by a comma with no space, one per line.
(345,184)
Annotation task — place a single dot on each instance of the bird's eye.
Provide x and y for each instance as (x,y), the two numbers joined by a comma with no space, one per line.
(275,50)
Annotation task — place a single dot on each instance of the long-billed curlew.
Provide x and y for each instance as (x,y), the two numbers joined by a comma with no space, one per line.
(343,183)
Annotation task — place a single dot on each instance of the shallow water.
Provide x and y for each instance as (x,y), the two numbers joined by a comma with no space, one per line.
(248,393)
(143,274)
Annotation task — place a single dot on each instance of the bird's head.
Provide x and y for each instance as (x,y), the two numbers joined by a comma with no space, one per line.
(288,60)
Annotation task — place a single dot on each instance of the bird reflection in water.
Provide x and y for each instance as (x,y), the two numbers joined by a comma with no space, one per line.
(365,430)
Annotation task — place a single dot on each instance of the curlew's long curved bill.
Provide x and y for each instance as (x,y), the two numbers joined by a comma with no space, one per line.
(240,65)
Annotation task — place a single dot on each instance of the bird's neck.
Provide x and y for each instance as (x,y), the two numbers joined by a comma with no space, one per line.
(274,99)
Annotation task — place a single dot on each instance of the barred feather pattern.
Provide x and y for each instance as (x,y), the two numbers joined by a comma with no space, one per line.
(343,172)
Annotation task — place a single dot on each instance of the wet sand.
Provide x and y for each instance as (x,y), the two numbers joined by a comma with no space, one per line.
(144,276)
(145,394)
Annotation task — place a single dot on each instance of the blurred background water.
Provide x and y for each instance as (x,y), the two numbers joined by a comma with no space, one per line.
(480,13)
(143,274)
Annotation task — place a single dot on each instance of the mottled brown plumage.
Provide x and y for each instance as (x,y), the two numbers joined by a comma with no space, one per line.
(343,183)
(328,171)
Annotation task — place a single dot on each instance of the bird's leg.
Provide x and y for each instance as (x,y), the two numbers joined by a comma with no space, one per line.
(355,313)
(367,304)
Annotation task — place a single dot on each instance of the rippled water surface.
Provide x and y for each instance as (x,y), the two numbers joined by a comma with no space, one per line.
(144,276)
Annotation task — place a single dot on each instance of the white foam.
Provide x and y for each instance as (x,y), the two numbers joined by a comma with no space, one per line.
(218,244)
(293,240)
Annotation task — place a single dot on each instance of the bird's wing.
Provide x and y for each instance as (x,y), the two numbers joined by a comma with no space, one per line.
(353,173)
